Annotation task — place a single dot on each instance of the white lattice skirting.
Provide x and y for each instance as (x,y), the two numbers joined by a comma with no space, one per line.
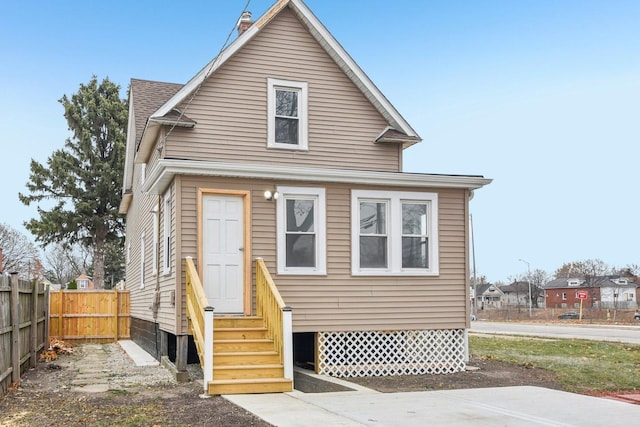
(381,353)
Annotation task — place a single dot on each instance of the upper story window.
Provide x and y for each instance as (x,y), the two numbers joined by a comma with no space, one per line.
(83,284)
(394,233)
(301,230)
(287,109)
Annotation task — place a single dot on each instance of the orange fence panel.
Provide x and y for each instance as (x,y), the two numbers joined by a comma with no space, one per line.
(89,316)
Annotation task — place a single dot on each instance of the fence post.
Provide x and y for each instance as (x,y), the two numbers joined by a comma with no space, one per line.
(34,325)
(15,327)
(61,316)
(116,314)
(47,312)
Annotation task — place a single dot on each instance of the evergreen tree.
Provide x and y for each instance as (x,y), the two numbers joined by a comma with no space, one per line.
(84,179)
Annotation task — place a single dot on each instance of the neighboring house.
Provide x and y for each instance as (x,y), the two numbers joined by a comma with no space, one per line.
(602,292)
(516,294)
(282,149)
(563,293)
(488,296)
(84,282)
(617,293)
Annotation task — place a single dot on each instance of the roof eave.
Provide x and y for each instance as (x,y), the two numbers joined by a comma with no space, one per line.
(164,171)
(125,202)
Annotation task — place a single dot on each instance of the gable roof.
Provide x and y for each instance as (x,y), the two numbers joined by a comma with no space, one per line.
(402,131)
(148,97)
(487,287)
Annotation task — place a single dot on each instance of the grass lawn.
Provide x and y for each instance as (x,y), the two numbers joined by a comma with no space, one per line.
(581,366)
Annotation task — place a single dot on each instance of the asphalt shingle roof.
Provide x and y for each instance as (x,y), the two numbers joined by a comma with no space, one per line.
(147,97)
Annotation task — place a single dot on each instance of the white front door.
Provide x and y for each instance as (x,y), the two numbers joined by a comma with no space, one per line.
(223,252)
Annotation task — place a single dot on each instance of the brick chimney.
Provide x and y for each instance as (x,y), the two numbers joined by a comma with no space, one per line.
(245,22)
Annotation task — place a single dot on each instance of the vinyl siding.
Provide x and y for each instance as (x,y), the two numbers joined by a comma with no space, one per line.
(340,301)
(231,108)
(140,220)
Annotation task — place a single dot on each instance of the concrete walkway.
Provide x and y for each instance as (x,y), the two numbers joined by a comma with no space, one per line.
(94,373)
(92,377)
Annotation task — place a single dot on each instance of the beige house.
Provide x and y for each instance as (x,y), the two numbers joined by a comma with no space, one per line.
(282,150)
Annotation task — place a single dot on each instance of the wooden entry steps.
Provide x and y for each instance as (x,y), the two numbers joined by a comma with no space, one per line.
(245,359)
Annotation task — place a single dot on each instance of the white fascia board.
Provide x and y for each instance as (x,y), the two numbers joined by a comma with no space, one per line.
(125,203)
(164,171)
(130,149)
(351,68)
(149,137)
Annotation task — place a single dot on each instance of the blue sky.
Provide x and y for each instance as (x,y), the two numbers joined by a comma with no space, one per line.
(543,97)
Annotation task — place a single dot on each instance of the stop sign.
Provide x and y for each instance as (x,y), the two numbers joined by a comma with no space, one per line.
(582,294)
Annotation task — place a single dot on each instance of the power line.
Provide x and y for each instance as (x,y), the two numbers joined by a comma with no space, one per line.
(211,67)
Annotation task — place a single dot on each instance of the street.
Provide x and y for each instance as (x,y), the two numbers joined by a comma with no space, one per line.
(616,333)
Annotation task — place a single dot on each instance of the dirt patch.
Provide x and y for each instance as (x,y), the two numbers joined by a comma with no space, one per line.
(47,396)
(481,373)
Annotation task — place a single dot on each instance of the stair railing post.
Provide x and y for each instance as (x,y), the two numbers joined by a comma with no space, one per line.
(208,347)
(287,342)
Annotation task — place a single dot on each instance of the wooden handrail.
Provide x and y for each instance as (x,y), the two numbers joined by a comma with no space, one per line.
(276,315)
(260,265)
(195,279)
(200,317)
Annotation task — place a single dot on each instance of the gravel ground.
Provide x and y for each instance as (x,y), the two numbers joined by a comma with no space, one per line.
(51,394)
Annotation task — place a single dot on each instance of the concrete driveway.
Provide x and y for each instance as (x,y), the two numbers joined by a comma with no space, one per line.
(506,406)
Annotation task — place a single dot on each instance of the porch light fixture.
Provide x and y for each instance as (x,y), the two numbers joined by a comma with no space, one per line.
(268,195)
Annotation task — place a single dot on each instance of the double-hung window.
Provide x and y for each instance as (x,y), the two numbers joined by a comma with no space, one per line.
(301,230)
(394,233)
(287,110)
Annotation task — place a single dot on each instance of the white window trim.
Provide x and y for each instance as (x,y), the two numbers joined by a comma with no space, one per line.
(142,260)
(319,222)
(394,224)
(166,235)
(302,88)
(154,248)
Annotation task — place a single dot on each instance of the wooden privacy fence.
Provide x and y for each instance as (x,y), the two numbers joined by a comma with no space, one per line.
(89,316)
(23,327)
